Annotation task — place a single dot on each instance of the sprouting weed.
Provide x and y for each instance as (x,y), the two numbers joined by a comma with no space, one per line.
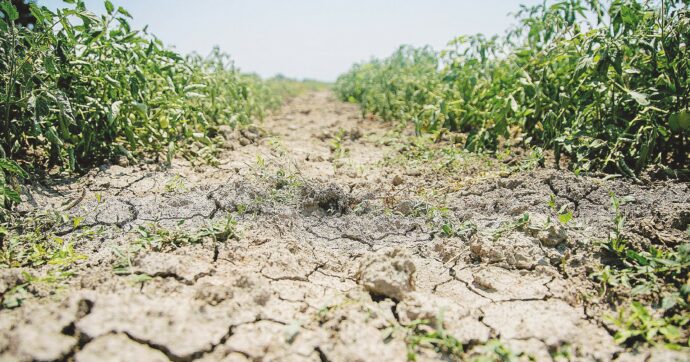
(175,184)
(156,238)
(655,281)
(563,214)
(277,146)
(422,334)
(260,162)
(337,144)
(34,241)
(495,351)
(518,223)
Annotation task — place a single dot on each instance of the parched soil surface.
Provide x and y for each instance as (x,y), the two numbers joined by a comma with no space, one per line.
(334,237)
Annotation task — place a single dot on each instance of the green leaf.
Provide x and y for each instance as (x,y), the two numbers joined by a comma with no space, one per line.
(597,143)
(37,12)
(640,98)
(76,222)
(513,104)
(566,217)
(109,7)
(115,108)
(124,12)
(9,10)
(12,167)
(671,332)
(12,195)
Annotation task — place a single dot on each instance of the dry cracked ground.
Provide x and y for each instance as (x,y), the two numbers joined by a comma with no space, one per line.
(323,236)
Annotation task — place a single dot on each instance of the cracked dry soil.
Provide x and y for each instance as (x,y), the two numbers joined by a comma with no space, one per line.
(335,254)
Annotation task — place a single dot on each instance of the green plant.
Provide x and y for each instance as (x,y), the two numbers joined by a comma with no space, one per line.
(635,323)
(337,144)
(564,216)
(507,228)
(78,88)
(10,172)
(603,83)
(656,283)
(420,333)
(35,241)
(156,238)
(494,351)
(175,184)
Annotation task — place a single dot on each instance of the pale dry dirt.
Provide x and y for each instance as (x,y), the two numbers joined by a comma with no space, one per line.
(338,251)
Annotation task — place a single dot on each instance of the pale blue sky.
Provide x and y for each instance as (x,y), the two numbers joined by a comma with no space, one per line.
(316,39)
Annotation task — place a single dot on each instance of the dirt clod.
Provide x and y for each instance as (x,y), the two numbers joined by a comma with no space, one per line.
(389,272)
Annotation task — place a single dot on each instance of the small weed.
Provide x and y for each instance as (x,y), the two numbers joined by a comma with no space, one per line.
(518,223)
(156,238)
(277,146)
(656,282)
(495,351)
(337,144)
(564,216)
(449,229)
(440,218)
(175,184)
(33,242)
(562,353)
(14,297)
(10,174)
(533,160)
(420,334)
(636,323)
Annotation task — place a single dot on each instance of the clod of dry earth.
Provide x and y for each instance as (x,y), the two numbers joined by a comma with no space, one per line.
(333,259)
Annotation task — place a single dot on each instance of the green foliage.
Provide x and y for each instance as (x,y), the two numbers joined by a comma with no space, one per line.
(79,88)
(495,351)
(36,241)
(10,172)
(508,228)
(605,85)
(162,239)
(279,88)
(156,238)
(564,216)
(656,281)
(421,334)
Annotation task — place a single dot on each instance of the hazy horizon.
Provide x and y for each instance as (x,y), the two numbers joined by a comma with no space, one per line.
(310,38)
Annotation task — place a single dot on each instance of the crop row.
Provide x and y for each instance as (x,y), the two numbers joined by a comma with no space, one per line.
(604,83)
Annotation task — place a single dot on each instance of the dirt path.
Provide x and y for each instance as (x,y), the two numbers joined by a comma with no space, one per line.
(324,237)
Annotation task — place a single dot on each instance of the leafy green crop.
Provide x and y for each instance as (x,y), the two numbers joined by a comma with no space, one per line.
(9,171)
(79,88)
(604,83)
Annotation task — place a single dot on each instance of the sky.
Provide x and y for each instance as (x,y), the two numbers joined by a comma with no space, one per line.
(315,39)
